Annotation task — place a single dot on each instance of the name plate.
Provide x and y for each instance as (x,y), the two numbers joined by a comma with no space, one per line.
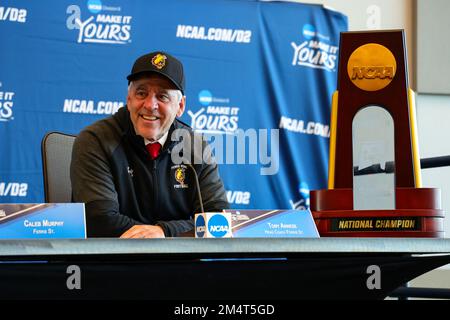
(42,221)
(273,224)
(256,224)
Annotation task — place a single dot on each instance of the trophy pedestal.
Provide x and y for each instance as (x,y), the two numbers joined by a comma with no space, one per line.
(418,214)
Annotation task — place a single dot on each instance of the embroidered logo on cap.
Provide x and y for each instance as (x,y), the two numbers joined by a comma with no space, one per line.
(159,61)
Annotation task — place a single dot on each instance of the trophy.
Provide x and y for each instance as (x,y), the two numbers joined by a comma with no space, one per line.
(374,178)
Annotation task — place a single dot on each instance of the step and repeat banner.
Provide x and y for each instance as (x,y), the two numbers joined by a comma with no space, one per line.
(259,80)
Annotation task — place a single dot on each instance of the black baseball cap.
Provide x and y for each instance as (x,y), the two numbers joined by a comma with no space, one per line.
(162,63)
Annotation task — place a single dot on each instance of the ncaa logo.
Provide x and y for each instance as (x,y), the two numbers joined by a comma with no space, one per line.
(309,31)
(218,226)
(94,6)
(205,97)
(200,226)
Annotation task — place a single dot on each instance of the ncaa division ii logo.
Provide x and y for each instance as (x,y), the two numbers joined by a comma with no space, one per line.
(316,51)
(99,27)
(215,116)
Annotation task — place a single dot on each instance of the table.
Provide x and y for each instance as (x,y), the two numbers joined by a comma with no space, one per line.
(215,269)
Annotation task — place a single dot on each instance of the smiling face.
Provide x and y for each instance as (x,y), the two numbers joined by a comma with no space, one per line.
(153,102)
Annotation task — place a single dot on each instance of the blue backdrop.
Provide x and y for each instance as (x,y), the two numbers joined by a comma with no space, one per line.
(256,72)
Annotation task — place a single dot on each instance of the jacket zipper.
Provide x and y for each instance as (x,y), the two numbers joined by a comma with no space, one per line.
(155,191)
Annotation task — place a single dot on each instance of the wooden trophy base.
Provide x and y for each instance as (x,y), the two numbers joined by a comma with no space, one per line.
(418,214)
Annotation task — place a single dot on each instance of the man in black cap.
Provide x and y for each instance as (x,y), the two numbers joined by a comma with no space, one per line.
(122,167)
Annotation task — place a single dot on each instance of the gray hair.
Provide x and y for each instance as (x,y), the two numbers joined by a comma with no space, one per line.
(179,93)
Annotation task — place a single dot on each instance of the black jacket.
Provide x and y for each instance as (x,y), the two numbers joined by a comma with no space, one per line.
(113,174)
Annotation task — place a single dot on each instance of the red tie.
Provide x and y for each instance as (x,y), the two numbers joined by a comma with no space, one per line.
(153,149)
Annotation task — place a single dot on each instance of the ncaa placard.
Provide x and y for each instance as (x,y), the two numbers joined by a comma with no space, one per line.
(213,225)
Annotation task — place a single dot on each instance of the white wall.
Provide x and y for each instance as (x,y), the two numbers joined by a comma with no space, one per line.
(372,14)
(376,14)
(433,117)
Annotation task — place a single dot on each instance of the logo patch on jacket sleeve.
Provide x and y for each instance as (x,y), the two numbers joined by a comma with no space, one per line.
(180,176)
(130,172)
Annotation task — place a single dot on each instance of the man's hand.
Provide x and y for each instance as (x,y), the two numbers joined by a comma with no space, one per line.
(143,231)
